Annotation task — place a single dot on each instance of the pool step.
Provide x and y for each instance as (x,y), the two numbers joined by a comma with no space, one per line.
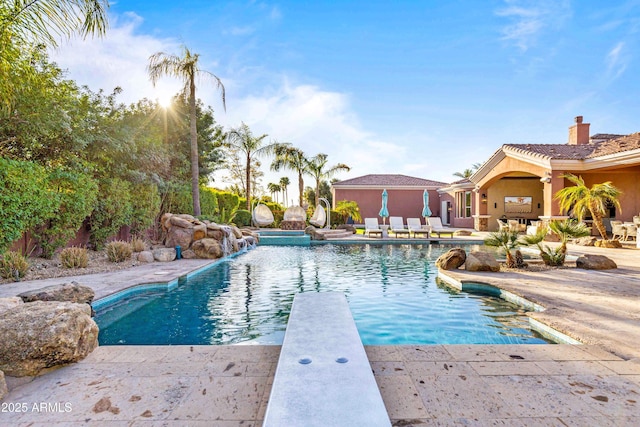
(323,376)
(291,240)
(329,233)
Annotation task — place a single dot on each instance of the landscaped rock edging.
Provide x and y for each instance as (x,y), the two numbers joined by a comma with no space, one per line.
(203,239)
(595,262)
(452,259)
(39,335)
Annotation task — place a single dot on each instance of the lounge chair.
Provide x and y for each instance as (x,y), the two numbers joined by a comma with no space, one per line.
(319,217)
(262,215)
(396,226)
(437,228)
(415,226)
(371,227)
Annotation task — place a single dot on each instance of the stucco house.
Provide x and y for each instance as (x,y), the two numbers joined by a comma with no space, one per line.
(519,181)
(404,194)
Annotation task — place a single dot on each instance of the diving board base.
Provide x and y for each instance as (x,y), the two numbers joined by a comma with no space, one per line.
(323,377)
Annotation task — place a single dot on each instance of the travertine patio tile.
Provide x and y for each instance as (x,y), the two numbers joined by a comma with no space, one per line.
(195,423)
(622,367)
(613,396)
(400,397)
(261,369)
(190,353)
(457,422)
(466,352)
(137,354)
(382,353)
(600,422)
(532,396)
(599,353)
(388,368)
(461,397)
(573,367)
(411,353)
(428,370)
(247,353)
(222,398)
(520,367)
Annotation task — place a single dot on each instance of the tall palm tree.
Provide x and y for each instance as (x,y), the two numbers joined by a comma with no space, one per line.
(274,189)
(242,139)
(288,157)
(315,168)
(185,67)
(284,184)
(582,200)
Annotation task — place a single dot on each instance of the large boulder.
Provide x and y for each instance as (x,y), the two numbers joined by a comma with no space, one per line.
(452,259)
(45,334)
(9,303)
(72,292)
(586,241)
(347,227)
(595,262)
(208,249)
(164,254)
(177,221)
(178,236)
(481,261)
(236,232)
(199,232)
(146,256)
(3,386)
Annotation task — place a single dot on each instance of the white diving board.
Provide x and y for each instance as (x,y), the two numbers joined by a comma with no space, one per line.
(323,376)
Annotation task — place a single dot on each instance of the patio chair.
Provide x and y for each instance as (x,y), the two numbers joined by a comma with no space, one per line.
(371,227)
(415,226)
(502,226)
(618,230)
(396,226)
(262,215)
(631,231)
(436,227)
(319,217)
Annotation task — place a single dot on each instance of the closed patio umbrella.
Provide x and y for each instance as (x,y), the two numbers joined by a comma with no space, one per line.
(426,212)
(384,213)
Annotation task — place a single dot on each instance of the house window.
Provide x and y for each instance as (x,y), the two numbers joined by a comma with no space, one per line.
(463,204)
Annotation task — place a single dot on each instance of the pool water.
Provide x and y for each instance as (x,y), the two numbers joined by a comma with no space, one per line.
(392,291)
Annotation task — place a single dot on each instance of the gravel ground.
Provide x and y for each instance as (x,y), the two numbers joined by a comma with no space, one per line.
(41,268)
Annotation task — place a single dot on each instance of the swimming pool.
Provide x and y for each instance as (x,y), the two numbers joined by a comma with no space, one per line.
(391,289)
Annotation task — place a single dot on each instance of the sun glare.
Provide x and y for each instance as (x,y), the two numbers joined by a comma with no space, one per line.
(164,101)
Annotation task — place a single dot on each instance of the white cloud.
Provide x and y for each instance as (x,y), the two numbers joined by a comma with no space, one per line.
(529,18)
(616,61)
(120,59)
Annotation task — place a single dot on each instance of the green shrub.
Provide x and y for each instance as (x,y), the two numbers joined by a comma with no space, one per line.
(13,265)
(118,251)
(74,257)
(75,194)
(25,201)
(228,204)
(177,198)
(208,202)
(146,206)
(114,209)
(242,218)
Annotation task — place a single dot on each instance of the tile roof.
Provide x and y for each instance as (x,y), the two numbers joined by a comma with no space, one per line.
(580,152)
(389,180)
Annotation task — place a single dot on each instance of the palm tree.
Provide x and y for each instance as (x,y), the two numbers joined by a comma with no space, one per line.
(505,240)
(44,20)
(468,172)
(284,184)
(565,230)
(288,157)
(582,200)
(315,168)
(185,67)
(242,139)
(274,189)
(348,208)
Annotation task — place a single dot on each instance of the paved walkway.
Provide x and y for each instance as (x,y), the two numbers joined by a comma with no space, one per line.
(527,385)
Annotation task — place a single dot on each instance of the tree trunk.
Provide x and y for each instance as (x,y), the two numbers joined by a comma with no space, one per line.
(248,178)
(300,187)
(317,191)
(195,170)
(597,222)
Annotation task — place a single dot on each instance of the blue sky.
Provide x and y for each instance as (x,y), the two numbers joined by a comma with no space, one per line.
(422,88)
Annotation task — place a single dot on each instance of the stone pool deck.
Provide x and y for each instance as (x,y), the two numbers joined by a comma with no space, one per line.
(444,385)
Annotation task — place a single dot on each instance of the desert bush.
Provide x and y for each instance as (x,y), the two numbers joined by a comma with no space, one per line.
(118,251)
(74,257)
(138,244)
(13,265)
(146,206)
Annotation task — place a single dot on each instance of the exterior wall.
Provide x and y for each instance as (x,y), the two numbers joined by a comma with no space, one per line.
(406,203)
(454,220)
(515,187)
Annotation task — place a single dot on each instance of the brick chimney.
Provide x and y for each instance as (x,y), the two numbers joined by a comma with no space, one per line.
(579,133)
